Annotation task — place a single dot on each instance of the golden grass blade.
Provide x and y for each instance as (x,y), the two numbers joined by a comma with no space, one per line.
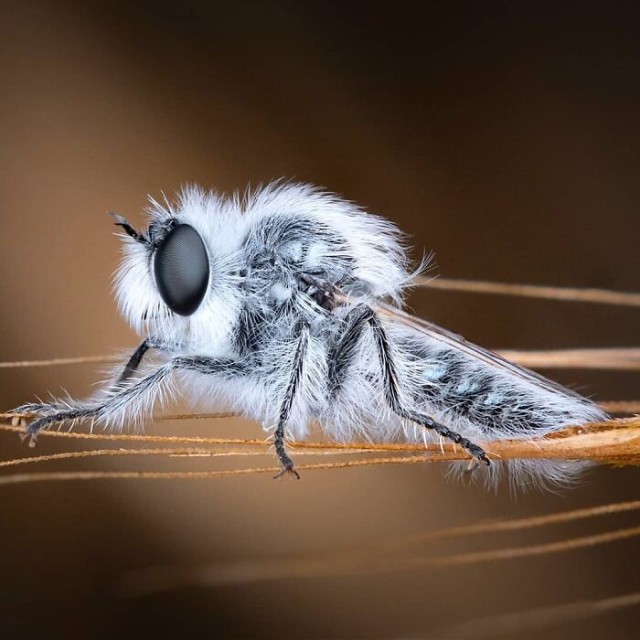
(568,294)
(621,406)
(541,618)
(128,437)
(101,453)
(613,442)
(619,359)
(61,476)
(159,579)
(519,524)
(179,453)
(509,553)
(55,362)
(623,358)
(203,440)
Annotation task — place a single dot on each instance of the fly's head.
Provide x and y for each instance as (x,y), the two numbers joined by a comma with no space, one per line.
(170,284)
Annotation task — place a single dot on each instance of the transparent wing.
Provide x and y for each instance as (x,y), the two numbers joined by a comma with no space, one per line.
(457,342)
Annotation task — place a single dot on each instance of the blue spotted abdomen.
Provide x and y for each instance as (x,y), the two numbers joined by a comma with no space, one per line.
(473,395)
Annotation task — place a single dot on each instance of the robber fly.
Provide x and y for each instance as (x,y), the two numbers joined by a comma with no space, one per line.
(285,306)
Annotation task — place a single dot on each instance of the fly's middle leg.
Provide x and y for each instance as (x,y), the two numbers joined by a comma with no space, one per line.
(287,402)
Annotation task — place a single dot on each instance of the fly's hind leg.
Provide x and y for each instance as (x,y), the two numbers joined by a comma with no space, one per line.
(392,393)
(343,354)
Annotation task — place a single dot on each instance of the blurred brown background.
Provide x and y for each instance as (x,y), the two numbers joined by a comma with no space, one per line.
(503,136)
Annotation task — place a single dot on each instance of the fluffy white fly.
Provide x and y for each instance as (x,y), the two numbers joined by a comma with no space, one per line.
(285,306)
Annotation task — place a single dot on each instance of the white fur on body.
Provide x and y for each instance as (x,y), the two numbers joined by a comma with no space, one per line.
(259,247)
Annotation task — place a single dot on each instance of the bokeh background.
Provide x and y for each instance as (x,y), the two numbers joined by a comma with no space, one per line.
(502,136)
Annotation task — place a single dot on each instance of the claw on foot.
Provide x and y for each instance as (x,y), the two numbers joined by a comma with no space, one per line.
(484,459)
(29,429)
(289,471)
(476,461)
(32,437)
(479,456)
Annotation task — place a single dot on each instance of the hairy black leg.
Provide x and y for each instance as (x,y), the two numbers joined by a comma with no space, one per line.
(118,400)
(232,368)
(197,363)
(223,367)
(287,403)
(136,358)
(392,393)
(133,363)
(343,354)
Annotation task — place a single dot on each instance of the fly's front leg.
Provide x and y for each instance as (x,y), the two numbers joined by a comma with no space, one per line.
(114,408)
(59,411)
(122,403)
(287,403)
(343,354)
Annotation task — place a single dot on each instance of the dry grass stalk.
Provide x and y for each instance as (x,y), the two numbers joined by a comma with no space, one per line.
(540,618)
(55,362)
(20,478)
(519,524)
(171,453)
(621,406)
(157,579)
(616,359)
(568,294)
(382,557)
(614,442)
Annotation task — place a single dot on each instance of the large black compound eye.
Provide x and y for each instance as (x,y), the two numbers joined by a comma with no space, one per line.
(181,268)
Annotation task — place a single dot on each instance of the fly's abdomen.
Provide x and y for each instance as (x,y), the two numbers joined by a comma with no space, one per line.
(474,397)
